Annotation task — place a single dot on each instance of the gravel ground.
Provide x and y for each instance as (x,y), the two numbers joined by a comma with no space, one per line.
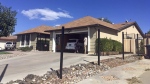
(75,73)
(13,54)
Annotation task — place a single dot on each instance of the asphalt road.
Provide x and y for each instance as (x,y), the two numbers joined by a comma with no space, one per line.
(39,63)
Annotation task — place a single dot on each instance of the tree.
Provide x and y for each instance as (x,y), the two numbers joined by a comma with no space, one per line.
(148,32)
(105,20)
(7,20)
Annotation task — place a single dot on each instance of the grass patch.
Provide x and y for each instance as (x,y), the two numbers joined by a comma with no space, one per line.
(3,52)
(133,80)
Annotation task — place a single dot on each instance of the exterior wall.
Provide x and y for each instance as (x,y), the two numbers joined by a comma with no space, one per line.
(130,30)
(51,41)
(18,41)
(2,44)
(33,40)
(104,33)
(108,33)
(92,40)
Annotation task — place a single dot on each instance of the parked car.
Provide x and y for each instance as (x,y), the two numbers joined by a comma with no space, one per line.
(10,45)
(71,43)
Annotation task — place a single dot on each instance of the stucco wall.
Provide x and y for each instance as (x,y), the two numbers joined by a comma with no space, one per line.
(51,41)
(130,30)
(33,40)
(18,41)
(2,44)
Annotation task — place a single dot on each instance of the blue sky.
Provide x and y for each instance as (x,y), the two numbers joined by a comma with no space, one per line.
(33,13)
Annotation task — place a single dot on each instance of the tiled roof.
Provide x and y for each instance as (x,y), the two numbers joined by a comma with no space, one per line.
(88,20)
(39,29)
(8,38)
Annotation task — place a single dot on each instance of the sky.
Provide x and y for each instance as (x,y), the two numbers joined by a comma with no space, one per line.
(33,13)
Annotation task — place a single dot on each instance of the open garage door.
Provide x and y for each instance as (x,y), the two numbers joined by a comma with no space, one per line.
(70,40)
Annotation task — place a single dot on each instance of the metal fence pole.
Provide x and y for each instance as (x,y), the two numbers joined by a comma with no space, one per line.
(62,49)
(98,46)
(123,45)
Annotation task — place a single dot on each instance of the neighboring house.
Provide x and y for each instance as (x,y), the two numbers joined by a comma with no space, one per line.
(3,40)
(88,27)
(35,37)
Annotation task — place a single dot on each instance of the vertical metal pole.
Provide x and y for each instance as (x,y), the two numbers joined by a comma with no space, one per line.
(62,49)
(98,46)
(137,45)
(123,45)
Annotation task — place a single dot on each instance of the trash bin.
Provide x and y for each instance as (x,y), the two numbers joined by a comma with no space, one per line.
(148,51)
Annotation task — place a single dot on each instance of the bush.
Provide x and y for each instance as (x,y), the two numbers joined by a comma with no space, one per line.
(117,46)
(26,48)
(107,45)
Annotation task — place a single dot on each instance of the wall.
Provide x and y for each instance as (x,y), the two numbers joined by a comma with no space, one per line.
(104,33)
(33,40)
(2,44)
(18,41)
(130,30)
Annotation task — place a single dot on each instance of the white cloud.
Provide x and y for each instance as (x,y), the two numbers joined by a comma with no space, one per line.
(45,14)
(57,25)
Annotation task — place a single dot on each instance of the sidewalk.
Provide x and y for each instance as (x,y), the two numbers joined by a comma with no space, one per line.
(120,74)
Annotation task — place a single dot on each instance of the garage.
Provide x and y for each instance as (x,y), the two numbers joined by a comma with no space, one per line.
(69,42)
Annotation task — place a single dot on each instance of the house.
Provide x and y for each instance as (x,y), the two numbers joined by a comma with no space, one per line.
(3,40)
(35,37)
(88,27)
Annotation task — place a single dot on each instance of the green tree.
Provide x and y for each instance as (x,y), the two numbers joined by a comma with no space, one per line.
(148,32)
(105,20)
(7,20)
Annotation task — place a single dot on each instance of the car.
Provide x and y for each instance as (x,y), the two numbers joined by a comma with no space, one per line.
(10,45)
(72,42)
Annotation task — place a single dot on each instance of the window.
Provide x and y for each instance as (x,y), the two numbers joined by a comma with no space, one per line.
(28,39)
(25,40)
(22,40)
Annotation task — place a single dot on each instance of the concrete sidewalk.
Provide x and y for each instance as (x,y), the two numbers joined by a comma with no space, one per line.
(118,75)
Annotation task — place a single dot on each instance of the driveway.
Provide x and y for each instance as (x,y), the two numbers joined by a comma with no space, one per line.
(40,62)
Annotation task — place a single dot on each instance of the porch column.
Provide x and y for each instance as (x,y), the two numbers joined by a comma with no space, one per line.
(88,39)
(54,42)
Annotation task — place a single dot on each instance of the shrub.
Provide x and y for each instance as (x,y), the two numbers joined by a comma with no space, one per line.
(107,45)
(117,46)
(26,48)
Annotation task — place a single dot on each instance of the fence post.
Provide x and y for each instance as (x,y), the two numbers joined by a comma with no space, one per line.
(123,45)
(62,49)
(99,47)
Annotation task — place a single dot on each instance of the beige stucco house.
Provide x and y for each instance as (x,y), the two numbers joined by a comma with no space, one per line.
(35,37)
(88,27)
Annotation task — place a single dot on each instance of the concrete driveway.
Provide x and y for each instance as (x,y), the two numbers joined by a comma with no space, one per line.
(40,62)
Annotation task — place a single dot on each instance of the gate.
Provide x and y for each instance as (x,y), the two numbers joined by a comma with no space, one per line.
(42,44)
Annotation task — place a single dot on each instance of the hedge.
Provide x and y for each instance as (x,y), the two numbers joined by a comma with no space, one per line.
(26,48)
(107,45)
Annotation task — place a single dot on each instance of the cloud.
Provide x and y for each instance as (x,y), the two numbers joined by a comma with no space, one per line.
(56,25)
(45,14)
